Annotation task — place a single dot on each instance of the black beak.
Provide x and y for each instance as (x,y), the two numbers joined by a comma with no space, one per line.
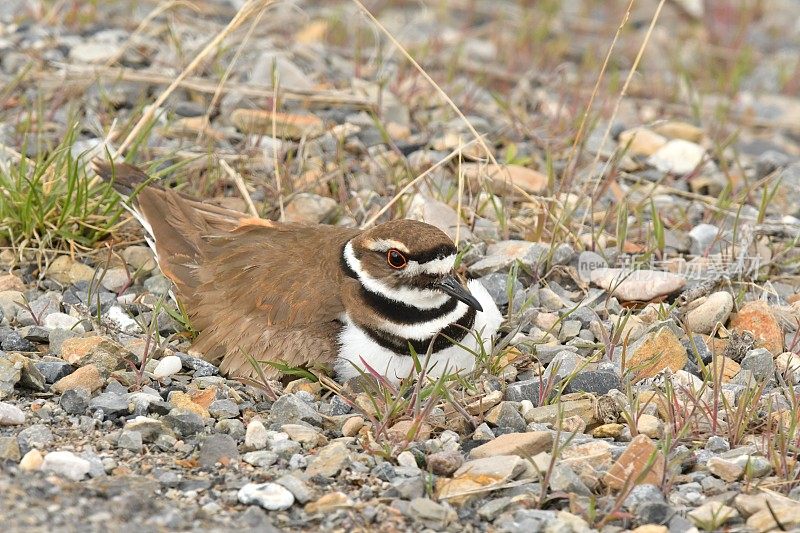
(451,286)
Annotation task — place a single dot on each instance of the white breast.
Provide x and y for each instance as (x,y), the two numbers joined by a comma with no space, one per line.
(355,344)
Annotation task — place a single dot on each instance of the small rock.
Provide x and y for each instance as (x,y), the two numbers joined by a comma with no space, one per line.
(433,515)
(87,377)
(329,502)
(445,463)
(35,436)
(75,401)
(167,366)
(139,258)
(352,426)
(260,458)
(308,208)
(712,515)
(300,490)
(63,321)
(288,126)
(595,381)
(256,436)
(66,464)
(650,425)
(218,448)
(637,285)
(641,141)
(657,350)
(523,444)
(11,415)
(330,460)
(290,409)
(506,415)
(270,496)
(760,362)
(714,309)
(302,434)
(9,449)
(221,409)
(31,461)
(67,270)
(130,440)
(678,157)
(759,319)
(634,462)
(184,423)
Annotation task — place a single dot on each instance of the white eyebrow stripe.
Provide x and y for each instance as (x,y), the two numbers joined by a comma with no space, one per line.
(384,245)
(443,265)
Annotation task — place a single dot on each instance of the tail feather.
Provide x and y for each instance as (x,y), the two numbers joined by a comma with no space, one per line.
(176,225)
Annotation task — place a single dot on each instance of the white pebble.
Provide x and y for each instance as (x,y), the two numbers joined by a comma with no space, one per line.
(407,459)
(168,366)
(10,415)
(255,438)
(122,320)
(63,321)
(270,496)
(66,464)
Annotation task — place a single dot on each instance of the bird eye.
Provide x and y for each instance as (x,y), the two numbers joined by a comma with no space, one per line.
(396,259)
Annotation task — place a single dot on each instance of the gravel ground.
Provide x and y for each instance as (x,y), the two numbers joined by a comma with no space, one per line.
(647,376)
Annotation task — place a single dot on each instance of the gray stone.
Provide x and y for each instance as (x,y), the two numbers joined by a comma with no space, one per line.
(290,409)
(406,488)
(339,406)
(34,333)
(158,285)
(717,444)
(10,375)
(525,390)
(130,440)
(301,491)
(564,479)
(445,463)
(595,381)
(588,262)
(57,337)
(52,371)
(36,436)
(112,404)
(496,285)
(184,423)
(260,458)
(149,428)
(217,448)
(223,409)
(201,368)
(66,464)
(642,494)
(759,361)
(14,343)
(75,401)
(506,415)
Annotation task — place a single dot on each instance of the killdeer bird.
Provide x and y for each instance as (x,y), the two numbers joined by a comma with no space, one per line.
(315,296)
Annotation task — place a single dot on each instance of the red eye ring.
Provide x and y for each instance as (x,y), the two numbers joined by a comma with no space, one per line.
(396,259)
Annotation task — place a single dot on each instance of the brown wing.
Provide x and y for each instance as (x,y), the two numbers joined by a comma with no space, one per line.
(250,286)
(272,293)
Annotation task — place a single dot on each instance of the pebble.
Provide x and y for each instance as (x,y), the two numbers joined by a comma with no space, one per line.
(713,310)
(678,157)
(11,415)
(66,464)
(167,366)
(270,496)
(256,436)
(637,285)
